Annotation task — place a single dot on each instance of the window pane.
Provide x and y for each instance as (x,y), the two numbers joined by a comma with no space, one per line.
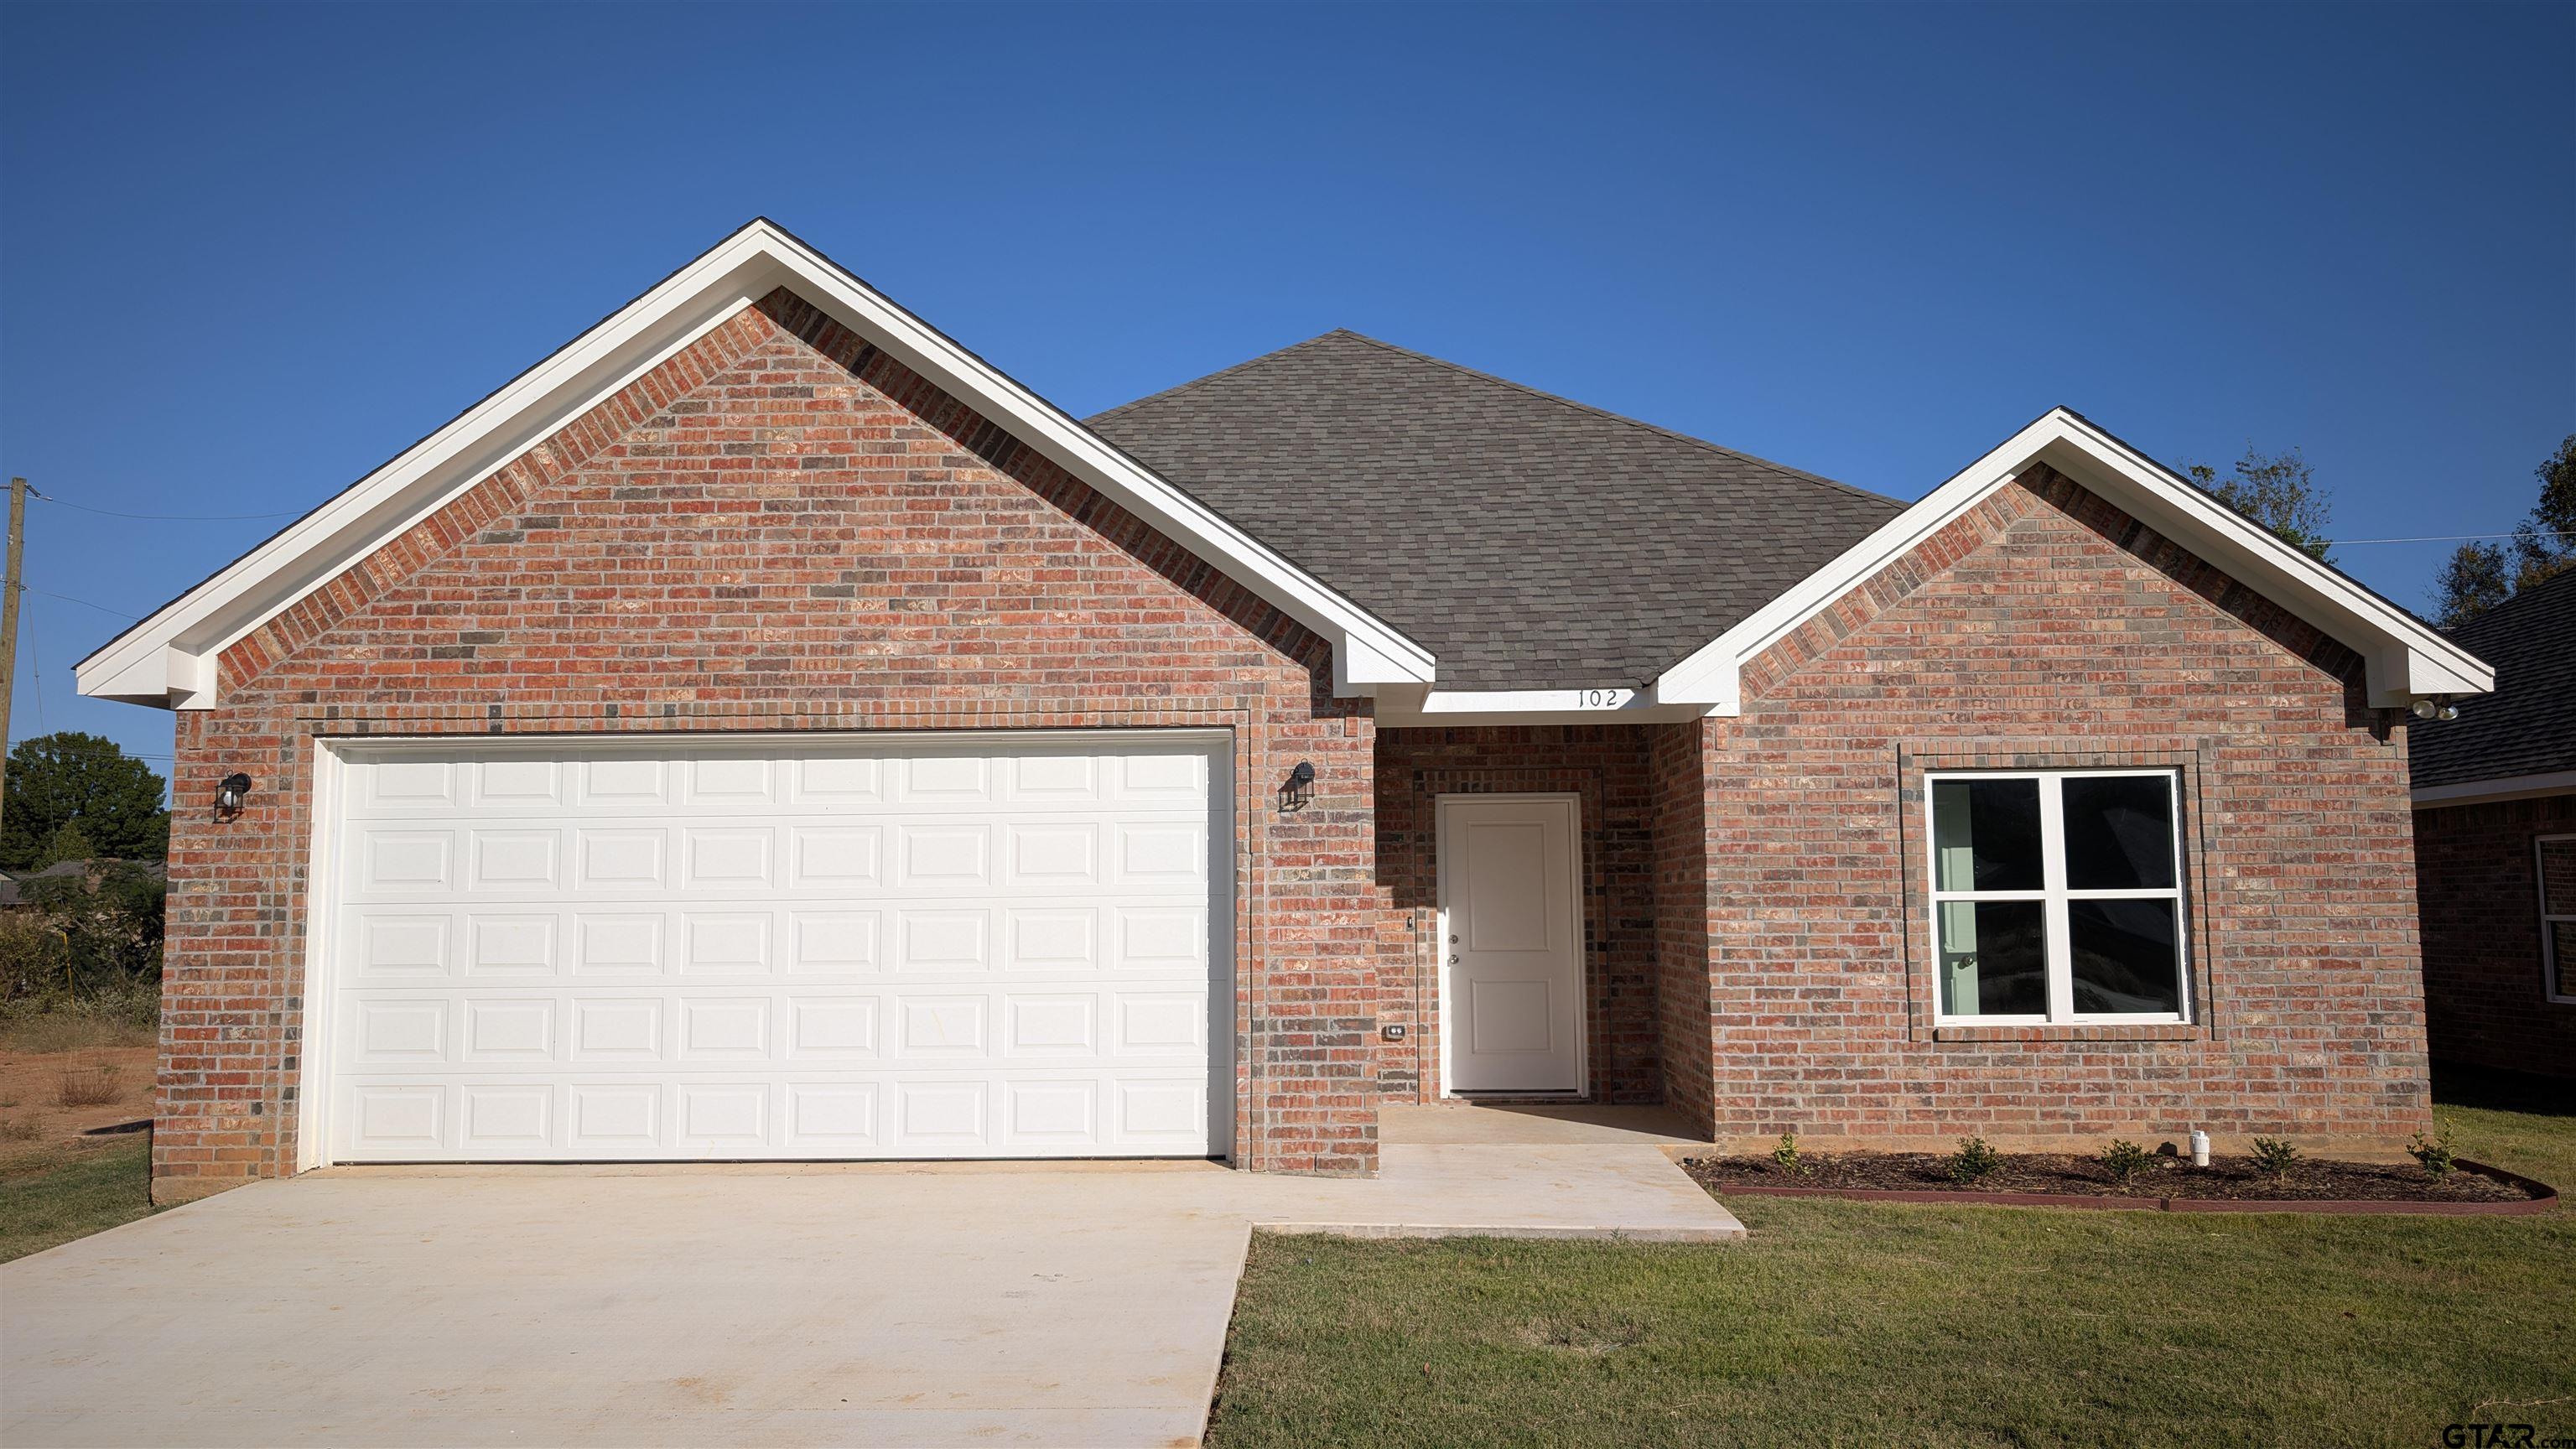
(2119,832)
(2562,936)
(1985,835)
(1994,960)
(2558,877)
(2124,957)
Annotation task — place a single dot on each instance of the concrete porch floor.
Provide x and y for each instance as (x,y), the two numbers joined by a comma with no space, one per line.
(1569,1124)
(878,1303)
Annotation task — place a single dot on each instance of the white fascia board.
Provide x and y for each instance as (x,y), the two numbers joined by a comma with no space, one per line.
(2503,787)
(169,658)
(1608,704)
(2406,659)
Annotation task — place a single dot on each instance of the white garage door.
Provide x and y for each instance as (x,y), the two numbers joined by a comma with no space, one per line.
(977,946)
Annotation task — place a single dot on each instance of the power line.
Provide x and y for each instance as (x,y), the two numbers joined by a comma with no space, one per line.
(165,517)
(2453,537)
(84,603)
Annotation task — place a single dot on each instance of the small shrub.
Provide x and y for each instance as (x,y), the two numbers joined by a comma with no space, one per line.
(20,1129)
(2434,1153)
(2275,1156)
(1786,1158)
(2124,1160)
(90,1086)
(1975,1161)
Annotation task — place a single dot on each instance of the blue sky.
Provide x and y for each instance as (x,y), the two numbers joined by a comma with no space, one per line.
(248,255)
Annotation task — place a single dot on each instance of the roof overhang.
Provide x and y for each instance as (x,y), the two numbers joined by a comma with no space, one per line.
(2502,787)
(2407,659)
(169,659)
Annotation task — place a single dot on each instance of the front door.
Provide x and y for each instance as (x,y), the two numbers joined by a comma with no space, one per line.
(1511,948)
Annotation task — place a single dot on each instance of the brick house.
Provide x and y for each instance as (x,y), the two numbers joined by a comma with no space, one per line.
(2495,845)
(764,729)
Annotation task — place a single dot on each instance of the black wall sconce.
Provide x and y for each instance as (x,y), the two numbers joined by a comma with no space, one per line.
(1300,787)
(230,796)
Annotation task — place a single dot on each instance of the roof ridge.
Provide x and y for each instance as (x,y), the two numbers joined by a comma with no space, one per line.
(1604,413)
(1178,388)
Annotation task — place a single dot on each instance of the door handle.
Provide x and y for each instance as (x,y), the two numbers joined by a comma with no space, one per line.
(1453,960)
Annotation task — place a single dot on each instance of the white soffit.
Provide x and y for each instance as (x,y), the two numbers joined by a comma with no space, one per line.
(169,659)
(2407,658)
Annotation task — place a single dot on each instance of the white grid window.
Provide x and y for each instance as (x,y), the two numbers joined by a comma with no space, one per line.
(2557,866)
(2057,896)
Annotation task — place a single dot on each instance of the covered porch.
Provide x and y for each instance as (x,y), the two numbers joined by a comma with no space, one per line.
(1547,950)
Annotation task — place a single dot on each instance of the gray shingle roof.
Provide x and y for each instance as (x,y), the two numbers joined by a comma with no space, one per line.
(2528,726)
(1528,541)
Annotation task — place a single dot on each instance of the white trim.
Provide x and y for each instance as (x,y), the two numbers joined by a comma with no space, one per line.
(1573,802)
(2550,977)
(313,1037)
(169,659)
(2054,895)
(1602,704)
(333,752)
(2503,787)
(2406,658)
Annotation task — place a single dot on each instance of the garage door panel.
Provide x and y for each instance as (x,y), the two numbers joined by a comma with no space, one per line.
(659,954)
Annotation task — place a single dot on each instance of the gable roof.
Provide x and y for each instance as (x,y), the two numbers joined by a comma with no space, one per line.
(170,658)
(1530,542)
(2526,730)
(2406,658)
(1533,558)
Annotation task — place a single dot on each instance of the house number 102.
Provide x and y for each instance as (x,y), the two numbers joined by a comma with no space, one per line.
(1602,698)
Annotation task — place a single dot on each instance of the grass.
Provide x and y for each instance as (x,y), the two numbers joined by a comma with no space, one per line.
(45,1028)
(56,1195)
(1866,1323)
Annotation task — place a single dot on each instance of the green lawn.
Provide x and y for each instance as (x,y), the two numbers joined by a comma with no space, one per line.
(54,1195)
(1856,1323)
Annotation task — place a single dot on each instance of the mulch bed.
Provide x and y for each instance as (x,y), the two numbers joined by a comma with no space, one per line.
(2054,1175)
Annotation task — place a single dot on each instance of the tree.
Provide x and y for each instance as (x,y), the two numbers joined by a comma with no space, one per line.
(2482,575)
(70,779)
(106,925)
(2477,578)
(2278,491)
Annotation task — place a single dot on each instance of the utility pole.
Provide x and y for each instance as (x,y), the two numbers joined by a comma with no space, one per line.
(9,619)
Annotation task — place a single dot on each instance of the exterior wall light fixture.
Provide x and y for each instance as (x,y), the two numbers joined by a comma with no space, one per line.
(230,795)
(1300,787)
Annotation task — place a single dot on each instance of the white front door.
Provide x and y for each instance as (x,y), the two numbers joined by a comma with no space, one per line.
(1511,927)
(783,946)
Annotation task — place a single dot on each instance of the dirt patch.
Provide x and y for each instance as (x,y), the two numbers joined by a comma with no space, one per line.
(50,1098)
(2237,1179)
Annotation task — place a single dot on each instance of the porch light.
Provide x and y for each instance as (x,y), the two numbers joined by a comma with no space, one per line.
(1300,787)
(230,795)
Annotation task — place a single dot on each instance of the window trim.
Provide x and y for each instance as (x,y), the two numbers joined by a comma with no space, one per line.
(2552,976)
(2055,894)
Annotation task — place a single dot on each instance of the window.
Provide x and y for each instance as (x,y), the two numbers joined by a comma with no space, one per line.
(2057,896)
(2557,860)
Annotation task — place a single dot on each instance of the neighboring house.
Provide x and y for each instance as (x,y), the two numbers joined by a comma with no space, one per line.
(2495,845)
(13,894)
(764,729)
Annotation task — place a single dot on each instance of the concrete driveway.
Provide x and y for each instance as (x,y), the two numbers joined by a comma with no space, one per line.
(791,1305)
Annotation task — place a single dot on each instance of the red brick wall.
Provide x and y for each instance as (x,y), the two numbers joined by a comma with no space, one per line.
(778,529)
(1677,756)
(2048,629)
(1606,765)
(2476,879)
